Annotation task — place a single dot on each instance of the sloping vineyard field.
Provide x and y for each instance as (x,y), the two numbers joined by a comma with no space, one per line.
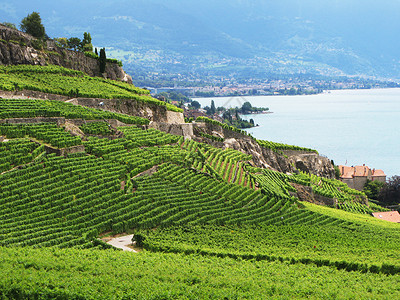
(26,108)
(334,243)
(232,230)
(62,81)
(51,273)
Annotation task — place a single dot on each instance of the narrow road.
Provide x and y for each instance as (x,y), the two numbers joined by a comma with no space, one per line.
(122,242)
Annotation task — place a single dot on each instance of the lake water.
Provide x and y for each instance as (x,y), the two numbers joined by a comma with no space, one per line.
(352,127)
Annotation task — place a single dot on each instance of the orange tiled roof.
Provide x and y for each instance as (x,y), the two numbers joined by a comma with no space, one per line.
(378,173)
(359,171)
(347,176)
(346,171)
(391,216)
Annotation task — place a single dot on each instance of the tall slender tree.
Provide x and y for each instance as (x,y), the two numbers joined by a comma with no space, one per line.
(102,60)
(212,109)
(87,42)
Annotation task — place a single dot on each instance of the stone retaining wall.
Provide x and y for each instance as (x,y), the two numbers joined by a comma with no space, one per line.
(65,151)
(185,129)
(59,120)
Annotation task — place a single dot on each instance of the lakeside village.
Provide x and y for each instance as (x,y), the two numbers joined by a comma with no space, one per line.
(213,86)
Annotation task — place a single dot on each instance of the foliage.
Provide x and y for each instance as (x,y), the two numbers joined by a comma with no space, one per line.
(390,193)
(173,96)
(277,147)
(114,61)
(32,24)
(231,116)
(212,137)
(372,189)
(86,44)
(91,55)
(74,43)
(247,108)
(37,44)
(61,42)
(9,25)
(223,125)
(97,128)
(195,104)
(49,133)
(102,60)
(212,108)
(18,152)
(337,172)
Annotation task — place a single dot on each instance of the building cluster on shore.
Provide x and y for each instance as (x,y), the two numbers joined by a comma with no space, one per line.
(291,86)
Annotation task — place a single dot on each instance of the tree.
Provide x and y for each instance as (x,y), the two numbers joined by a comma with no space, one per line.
(195,104)
(95,51)
(62,42)
(212,108)
(372,189)
(102,60)
(9,25)
(86,44)
(390,193)
(237,116)
(74,43)
(32,24)
(337,171)
(246,108)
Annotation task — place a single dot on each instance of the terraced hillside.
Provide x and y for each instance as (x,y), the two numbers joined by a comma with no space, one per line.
(232,230)
(72,83)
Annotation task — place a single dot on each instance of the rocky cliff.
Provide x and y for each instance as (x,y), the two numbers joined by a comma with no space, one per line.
(17,48)
(264,157)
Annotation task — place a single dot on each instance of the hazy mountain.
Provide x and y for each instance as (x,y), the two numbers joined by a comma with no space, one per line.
(289,36)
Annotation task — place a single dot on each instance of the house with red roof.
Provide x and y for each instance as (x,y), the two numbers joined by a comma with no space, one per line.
(356,177)
(391,216)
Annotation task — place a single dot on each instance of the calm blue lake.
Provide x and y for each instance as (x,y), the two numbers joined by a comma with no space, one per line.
(352,127)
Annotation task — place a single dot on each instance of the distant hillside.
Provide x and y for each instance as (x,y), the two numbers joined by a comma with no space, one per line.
(242,38)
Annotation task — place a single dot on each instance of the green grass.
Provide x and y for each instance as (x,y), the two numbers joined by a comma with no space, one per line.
(94,274)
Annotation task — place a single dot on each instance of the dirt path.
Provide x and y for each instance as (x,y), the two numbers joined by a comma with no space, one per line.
(122,242)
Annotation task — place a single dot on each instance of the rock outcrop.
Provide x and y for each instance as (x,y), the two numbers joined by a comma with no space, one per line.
(18,48)
(314,164)
(263,157)
(153,112)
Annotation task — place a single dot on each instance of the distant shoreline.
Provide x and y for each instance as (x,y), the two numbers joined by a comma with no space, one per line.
(313,94)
